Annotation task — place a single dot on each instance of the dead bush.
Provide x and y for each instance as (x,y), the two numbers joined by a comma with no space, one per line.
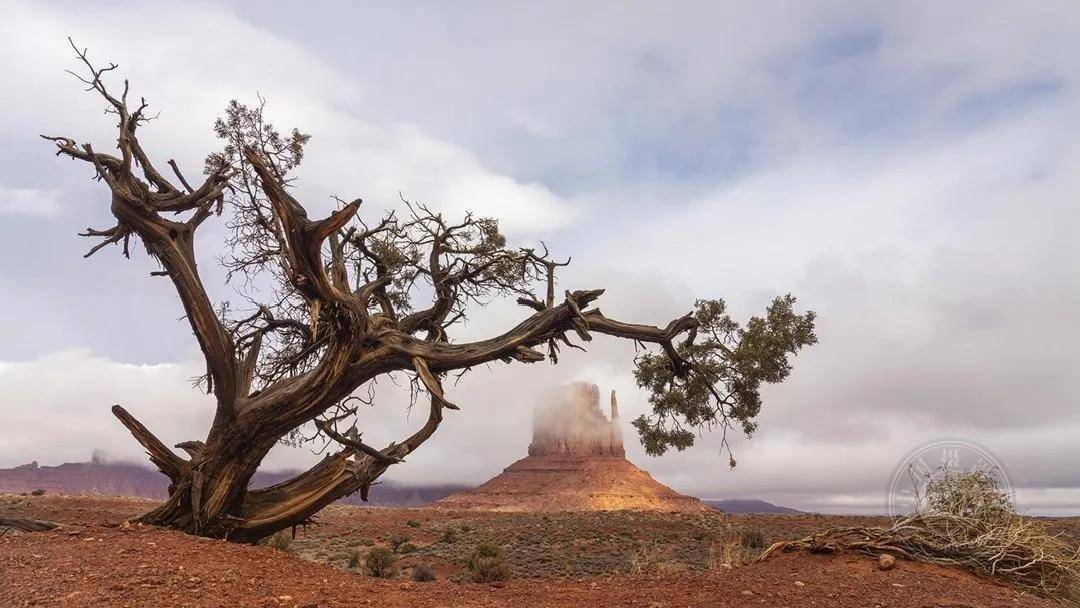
(967,520)
(423,573)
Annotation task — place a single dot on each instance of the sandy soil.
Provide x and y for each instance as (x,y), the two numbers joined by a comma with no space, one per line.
(97,561)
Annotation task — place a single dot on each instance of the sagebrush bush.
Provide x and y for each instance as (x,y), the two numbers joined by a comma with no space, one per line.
(354,558)
(412,523)
(379,562)
(486,565)
(38,492)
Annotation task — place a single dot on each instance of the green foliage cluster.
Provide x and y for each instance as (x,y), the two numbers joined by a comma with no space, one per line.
(723,367)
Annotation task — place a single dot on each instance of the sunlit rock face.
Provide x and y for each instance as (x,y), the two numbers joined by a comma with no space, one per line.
(576,462)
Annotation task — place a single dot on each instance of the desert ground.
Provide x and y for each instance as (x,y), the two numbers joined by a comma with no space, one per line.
(650,560)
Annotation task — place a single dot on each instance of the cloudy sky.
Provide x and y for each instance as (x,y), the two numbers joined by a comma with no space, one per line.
(909,170)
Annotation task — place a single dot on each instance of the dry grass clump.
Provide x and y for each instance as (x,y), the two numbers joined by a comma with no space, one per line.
(737,547)
(967,520)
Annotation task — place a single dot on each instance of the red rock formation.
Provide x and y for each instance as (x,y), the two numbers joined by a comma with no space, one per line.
(575,426)
(576,462)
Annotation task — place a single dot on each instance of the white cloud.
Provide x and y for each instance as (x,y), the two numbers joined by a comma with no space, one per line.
(64,418)
(347,155)
(28,201)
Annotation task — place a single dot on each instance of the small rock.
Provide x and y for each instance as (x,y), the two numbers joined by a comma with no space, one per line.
(800,584)
(747,592)
(886,561)
(284,598)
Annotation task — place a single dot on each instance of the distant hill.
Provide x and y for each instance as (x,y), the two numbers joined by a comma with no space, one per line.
(123,479)
(749,505)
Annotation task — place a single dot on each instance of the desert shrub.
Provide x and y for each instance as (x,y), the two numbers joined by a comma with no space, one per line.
(353,557)
(38,492)
(412,523)
(486,565)
(449,536)
(423,573)
(282,541)
(396,541)
(752,538)
(483,550)
(379,562)
(967,520)
(407,547)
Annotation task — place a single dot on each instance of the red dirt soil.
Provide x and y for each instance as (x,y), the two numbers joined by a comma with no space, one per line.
(96,562)
(142,566)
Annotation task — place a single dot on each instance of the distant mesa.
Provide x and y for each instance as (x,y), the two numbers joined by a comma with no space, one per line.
(122,479)
(750,506)
(576,462)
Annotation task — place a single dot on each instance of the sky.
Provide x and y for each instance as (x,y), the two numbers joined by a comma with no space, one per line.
(909,170)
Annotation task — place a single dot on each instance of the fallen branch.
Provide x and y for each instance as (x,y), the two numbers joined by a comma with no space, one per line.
(27,525)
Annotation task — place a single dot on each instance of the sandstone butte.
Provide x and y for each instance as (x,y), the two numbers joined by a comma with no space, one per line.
(576,462)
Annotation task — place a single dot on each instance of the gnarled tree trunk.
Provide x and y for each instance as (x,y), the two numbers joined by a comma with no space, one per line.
(329,336)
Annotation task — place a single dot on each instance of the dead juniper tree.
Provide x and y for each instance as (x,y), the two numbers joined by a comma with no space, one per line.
(353,301)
